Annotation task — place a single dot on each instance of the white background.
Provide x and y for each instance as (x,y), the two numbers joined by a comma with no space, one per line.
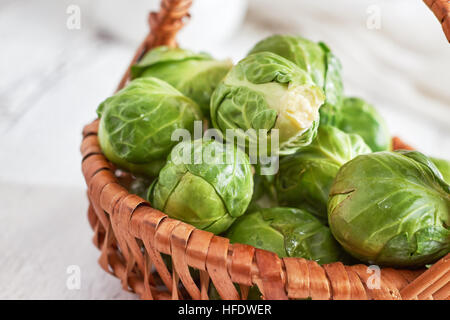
(53,78)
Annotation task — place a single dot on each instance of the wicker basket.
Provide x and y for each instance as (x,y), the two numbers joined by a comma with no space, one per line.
(132,235)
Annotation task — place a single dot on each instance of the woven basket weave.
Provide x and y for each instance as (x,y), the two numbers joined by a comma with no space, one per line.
(132,236)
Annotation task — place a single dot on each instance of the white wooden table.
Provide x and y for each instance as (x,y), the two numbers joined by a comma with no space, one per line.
(52,79)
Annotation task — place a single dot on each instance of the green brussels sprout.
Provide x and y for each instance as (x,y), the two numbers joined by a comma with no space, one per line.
(209,194)
(358,116)
(305,178)
(443,166)
(391,208)
(196,75)
(263,92)
(137,123)
(288,232)
(316,59)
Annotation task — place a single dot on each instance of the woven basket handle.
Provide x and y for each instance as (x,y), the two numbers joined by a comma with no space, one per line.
(164,26)
(441,9)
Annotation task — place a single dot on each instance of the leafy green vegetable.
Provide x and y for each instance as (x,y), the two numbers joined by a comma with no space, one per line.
(265,91)
(316,59)
(289,232)
(210,191)
(304,179)
(444,168)
(391,208)
(334,88)
(137,123)
(196,75)
(358,116)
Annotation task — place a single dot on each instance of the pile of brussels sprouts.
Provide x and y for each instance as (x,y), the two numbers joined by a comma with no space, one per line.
(340,194)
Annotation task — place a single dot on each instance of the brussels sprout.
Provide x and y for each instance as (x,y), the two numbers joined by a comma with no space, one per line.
(391,208)
(316,59)
(196,75)
(304,179)
(444,168)
(266,91)
(289,232)
(334,88)
(357,116)
(209,194)
(137,123)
